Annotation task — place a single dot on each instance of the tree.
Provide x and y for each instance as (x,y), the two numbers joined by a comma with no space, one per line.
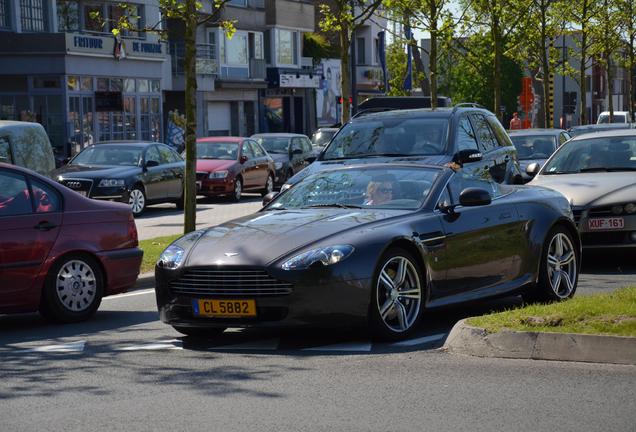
(345,17)
(396,66)
(192,14)
(627,11)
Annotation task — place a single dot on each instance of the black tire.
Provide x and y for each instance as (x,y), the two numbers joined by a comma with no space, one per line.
(238,190)
(269,185)
(73,289)
(200,332)
(385,320)
(137,200)
(555,283)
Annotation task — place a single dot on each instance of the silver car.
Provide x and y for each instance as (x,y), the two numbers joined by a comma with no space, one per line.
(597,173)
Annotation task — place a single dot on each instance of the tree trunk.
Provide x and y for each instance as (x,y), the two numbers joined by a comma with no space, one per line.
(497,42)
(345,72)
(191,116)
(630,77)
(433,57)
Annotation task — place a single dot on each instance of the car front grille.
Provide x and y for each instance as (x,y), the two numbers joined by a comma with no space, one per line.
(606,238)
(84,185)
(229,282)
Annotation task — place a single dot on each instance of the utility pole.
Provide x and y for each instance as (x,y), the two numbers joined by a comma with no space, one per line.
(354,83)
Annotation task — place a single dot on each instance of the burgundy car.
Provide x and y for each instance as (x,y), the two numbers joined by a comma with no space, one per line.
(231,165)
(60,252)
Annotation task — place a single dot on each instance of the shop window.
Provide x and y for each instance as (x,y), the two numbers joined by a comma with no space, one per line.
(68,15)
(12,106)
(33,15)
(46,82)
(5,23)
(130,118)
(142,86)
(72,83)
(86,84)
(117,84)
(155,86)
(129,85)
(102,84)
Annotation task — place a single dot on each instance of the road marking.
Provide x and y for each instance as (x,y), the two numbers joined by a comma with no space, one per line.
(134,293)
(419,341)
(348,346)
(60,348)
(266,344)
(174,344)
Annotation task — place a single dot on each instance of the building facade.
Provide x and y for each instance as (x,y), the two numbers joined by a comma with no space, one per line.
(62,67)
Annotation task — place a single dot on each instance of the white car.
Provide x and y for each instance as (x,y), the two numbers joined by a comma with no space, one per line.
(619,117)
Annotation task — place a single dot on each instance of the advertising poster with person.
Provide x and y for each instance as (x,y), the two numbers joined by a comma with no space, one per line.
(327,108)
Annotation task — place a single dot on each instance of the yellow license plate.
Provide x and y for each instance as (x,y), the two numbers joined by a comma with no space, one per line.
(224,308)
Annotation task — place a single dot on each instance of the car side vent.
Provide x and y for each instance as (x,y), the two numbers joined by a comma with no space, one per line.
(229,282)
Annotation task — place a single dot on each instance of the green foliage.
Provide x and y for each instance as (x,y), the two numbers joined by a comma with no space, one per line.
(396,65)
(152,249)
(317,47)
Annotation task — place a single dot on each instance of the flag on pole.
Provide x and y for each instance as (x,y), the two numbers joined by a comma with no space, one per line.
(382,58)
(408,81)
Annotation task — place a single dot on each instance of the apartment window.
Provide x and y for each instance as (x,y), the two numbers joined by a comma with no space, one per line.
(286,47)
(376,46)
(68,15)
(104,17)
(236,49)
(4,14)
(33,15)
(258,46)
(361,57)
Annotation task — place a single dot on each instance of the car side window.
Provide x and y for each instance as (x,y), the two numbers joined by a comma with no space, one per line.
(500,133)
(307,148)
(5,150)
(462,180)
(563,137)
(296,144)
(246,150)
(485,136)
(166,155)
(465,139)
(152,154)
(45,198)
(257,149)
(15,198)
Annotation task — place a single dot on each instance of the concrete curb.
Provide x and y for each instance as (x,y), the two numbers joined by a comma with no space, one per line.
(466,339)
(144,281)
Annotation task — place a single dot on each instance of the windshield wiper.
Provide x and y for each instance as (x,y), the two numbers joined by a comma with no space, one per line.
(276,208)
(336,205)
(599,169)
(559,172)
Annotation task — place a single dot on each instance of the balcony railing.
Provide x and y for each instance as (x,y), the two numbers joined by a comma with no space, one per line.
(206,63)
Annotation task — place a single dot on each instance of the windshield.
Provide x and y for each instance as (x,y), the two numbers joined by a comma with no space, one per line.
(364,188)
(534,146)
(391,136)
(217,150)
(274,144)
(322,138)
(108,155)
(605,118)
(594,154)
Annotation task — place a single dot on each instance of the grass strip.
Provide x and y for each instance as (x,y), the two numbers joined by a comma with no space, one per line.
(152,249)
(604,314)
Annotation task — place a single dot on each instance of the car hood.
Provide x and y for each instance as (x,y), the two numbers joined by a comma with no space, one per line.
(321,165)
(596,188)
(210,165)
(95,172)
(261,238)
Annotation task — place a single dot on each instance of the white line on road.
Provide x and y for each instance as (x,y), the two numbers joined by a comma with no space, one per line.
(174,344)
(134,293)
(60,348)
(419,341)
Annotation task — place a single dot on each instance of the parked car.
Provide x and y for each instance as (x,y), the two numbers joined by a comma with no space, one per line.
(135,172)
(583,129)
(597,173)
(60,253)
(322,136)
(231,165)
(291,152)
(27,145)
(536,145)
(619,117)
(430,136)
(324,253)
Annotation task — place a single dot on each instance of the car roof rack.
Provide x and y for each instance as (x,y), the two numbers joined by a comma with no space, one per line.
(467,105)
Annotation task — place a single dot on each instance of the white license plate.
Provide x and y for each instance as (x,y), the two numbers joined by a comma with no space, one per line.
(606,223)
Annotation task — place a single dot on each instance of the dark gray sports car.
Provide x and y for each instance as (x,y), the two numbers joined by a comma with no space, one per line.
(370,245)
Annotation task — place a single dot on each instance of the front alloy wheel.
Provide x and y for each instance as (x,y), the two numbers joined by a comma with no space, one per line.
(269,185)
(238,190)
(397,296)
(137,201)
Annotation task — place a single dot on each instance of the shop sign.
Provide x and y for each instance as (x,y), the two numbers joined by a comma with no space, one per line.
(299,80)
(104,46)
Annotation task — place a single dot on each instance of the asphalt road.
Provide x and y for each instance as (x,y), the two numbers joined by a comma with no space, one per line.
(124,370)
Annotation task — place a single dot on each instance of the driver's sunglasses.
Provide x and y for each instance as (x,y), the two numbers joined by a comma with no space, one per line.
(385,190)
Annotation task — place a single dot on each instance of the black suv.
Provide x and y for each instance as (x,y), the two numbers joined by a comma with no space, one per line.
(467,135)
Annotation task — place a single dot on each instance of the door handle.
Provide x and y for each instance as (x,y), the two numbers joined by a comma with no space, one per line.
(505,216)
(45,226)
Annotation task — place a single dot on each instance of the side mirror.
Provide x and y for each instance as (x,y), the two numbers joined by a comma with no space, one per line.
(151,163)
(269,197)
(533,169)
(472,197)
(467,156)
(243,159)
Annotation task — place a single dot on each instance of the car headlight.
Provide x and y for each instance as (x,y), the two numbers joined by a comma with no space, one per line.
(278,165)
(630,208)
(172,257)
(218,174)
(327,256)
(111,183)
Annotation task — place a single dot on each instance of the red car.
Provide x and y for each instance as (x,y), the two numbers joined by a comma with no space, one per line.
(60,252)
(231,165)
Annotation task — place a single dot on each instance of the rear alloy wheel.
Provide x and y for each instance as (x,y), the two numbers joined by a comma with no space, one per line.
(73,289)
(559,269)
(137,201)
(238,190)
(397,302)
(200,332)
(269,185)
